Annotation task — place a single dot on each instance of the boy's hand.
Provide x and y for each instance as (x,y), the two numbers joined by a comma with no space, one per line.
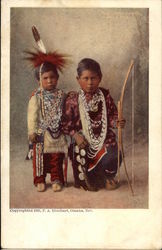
(80,140)
(121,123)
(33,137)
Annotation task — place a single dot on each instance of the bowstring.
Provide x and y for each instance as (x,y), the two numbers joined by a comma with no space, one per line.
(133,148)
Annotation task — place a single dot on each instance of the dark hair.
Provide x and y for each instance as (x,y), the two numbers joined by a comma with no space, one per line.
(45,68)
(89,64)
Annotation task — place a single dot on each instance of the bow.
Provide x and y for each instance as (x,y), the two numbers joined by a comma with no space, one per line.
(120,117)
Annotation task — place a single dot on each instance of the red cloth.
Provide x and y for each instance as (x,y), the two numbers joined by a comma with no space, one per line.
(97,159)
(53,164)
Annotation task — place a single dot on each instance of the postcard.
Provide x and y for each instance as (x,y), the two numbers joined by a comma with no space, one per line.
(72,177)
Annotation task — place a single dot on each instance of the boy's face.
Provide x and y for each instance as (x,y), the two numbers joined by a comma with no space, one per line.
(49,80)
(89,81)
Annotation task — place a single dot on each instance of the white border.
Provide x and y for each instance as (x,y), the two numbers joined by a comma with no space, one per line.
(112,228)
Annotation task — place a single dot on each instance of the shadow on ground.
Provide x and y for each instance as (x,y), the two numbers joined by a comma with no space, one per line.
(24,195)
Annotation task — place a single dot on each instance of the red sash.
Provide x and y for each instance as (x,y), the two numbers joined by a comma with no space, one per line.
(96,159)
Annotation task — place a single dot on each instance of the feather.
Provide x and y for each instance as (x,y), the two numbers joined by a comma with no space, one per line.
(57,59)
(41,56)
(38,40)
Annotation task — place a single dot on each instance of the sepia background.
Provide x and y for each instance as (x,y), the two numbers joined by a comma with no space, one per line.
(113,37)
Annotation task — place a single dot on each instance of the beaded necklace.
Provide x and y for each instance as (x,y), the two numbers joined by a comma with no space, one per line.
(95,142)
(52,112)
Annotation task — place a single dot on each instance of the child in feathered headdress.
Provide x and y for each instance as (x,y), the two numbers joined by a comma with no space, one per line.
(44,121)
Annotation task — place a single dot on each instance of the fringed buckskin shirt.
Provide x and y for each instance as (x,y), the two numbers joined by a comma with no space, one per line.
(71,117)
(35,119)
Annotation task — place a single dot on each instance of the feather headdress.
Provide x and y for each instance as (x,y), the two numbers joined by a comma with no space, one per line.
(41,56)
(37,58)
